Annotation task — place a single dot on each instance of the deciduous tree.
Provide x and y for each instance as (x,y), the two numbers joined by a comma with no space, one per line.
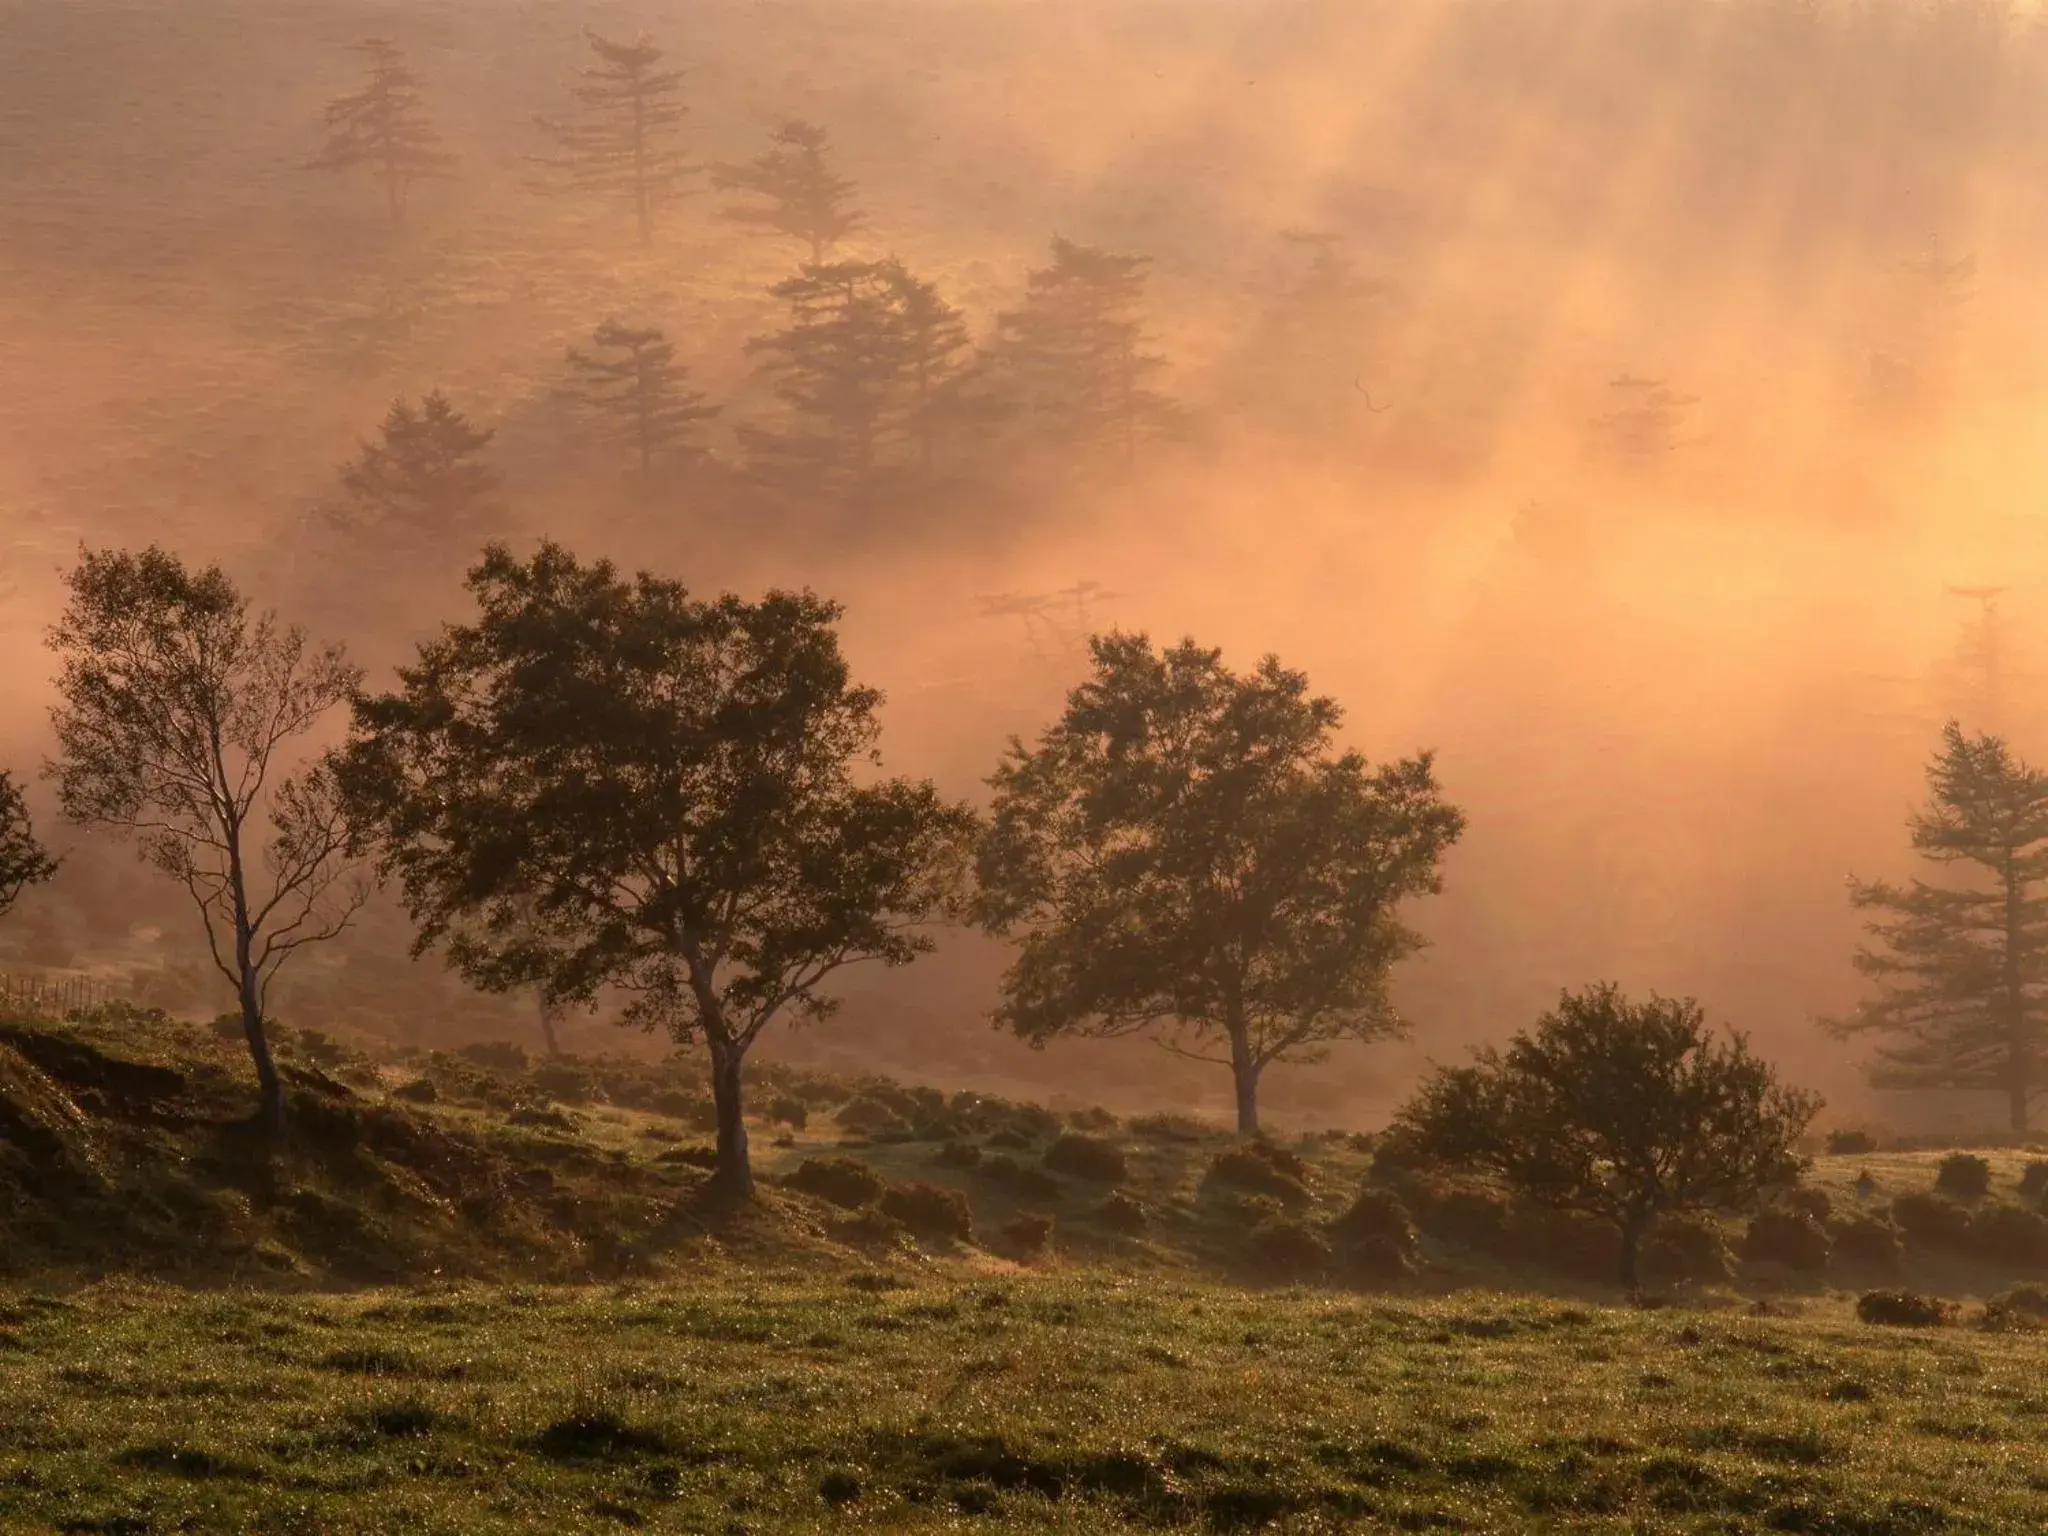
(384,129)
(1185,853)
(23,860)
(605,783)
(1625,1111)
(180,714)
(1962,965)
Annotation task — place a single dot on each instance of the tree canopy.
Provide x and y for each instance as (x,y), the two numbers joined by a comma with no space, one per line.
(636,394)
(801,197)
(603,783)
(384,129)
(23,860)
(1626,1111)
(179,712)
(622,142)
(422,487)
(1961,966)
(1185,853)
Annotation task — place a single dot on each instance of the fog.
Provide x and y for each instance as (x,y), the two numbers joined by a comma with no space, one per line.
(1682,670)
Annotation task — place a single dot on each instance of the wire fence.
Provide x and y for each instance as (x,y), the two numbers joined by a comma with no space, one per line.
(43,995)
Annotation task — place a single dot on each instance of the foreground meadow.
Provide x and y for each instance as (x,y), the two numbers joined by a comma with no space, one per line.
(999,1401)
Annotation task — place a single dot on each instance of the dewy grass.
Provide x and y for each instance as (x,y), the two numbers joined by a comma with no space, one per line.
(1076,1403)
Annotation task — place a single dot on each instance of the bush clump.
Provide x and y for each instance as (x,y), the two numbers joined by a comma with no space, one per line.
(1789,1237)
(1259,1168)
(2010,1234)
(1289,1251)
(930,1210)
(1081,1156)
(957,1154)
(1376,1216)
(1963,1176)
(844,1181)
(868,1115)
(2022,1307)
(1027,1237)
(1904,1309)
(1929,1221)
(1851,1143)
(1807,1201)
(1168,1127)
(1868,1241)
(2034,1180)
(1121,1214)
(420,1090)
(1684,1250)
(787,1109)
(1475,1218)
(495,1055)
(1021,1182)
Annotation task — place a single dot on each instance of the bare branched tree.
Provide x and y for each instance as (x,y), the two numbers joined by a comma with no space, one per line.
(179,713)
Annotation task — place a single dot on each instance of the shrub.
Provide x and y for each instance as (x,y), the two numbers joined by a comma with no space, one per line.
(420,1090)
(495,1055)
(1476,1218)
(787,1109)
(1929,1221)
(568,1081)
(1023,1183)
(1963,1175)
(1377,1260)
(2034,1180)
(1565,1242)
(1289,1251)
(957,1154)
(1087,1157)
(846,1182)
(1252,1169)
(1904,1309)
(1121,1214)
(2010,1234)
(1095,1118)
(1808,1201)
(1167,1127)
(2028,1302)
(1682,1250)
(1788,1237)
(1851,1143)
(1027,1236)
(929,1210)
(1376,1216)
(869,1116)
(1869,1241)
(1010,1138)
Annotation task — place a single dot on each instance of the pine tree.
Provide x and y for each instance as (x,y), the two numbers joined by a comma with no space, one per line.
(1962,967)
(1072,357)
(1307,368)
(806,200)
(864,368)
(423,485)
(383,128)
(636,393)
(622,143)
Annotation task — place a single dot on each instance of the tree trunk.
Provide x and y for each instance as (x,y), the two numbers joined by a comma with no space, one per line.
(2019,1066)
(1631,1250)
(1244,1074)
(733,1177)
(270,1103)
(547,1029)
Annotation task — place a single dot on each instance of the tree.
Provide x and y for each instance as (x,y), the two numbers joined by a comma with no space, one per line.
(805,199)
(865,369)
(1072,357)
(1624,1111)
(383,128)
(1308,367)
(179,710)
(602,783)
(1962,967)
(622,143)
(423,485)
(23,860)
(636,393)
(1183,854)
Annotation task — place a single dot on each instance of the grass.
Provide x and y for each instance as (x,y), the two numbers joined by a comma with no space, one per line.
(915,1401)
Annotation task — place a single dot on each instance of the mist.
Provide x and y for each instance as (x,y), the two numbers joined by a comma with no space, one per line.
(1672,363)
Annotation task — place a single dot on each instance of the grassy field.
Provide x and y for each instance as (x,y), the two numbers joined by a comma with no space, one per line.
(739,1403)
